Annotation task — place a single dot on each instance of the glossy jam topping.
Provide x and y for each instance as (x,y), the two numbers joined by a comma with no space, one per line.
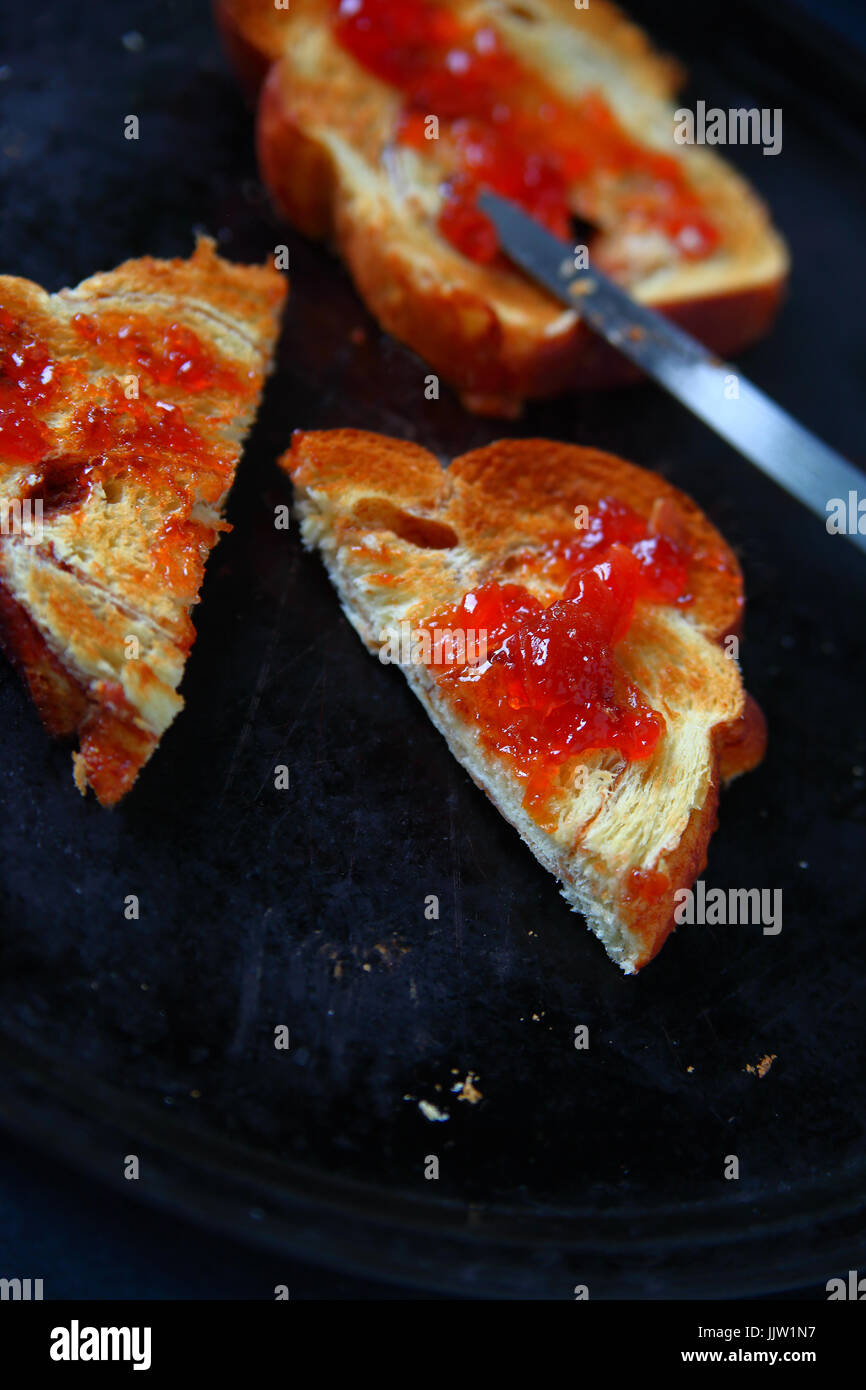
(146,432)
(169,354)
(113,439)
(28,387)
(548,685)
(663,574)
(510,132)
(647,886)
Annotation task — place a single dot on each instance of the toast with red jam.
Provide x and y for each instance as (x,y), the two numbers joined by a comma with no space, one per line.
(378,122)
(124,404)
(565,619)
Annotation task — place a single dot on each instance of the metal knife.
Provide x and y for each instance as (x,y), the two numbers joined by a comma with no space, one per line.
(764,433)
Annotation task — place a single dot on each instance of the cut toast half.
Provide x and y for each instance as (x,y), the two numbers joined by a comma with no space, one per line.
(346,156)
(124,404)
(405,542)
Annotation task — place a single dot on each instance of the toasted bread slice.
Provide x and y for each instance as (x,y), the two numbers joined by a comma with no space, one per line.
(123,408)
(404,540)
(334,152)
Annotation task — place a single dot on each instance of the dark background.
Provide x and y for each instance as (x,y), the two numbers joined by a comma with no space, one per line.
(72,200)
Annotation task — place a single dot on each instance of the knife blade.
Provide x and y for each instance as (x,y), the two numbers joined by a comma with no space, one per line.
(715,391)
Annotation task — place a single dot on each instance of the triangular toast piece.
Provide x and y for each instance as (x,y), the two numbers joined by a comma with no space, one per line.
(607,706)
(123,408)
(379,120)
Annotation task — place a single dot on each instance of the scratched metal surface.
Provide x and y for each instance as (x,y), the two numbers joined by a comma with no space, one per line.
(305,907)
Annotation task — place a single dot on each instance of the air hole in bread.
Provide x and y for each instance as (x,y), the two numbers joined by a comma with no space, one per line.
(381,515)
(113,489)
(64,484)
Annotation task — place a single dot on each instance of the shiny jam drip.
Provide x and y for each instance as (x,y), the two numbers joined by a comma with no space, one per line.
(549,686)
(509,131)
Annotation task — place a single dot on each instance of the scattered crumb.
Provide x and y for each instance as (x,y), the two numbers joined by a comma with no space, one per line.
(391,951)
(467,1090)
(636,333)
(763,1066)
(195,1094)
(689,1068)
(582,287)
(79,773)
(344,960)
(432,1112)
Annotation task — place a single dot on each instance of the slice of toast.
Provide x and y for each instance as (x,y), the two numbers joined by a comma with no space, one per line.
(404,541)
(124,404)
(344,157)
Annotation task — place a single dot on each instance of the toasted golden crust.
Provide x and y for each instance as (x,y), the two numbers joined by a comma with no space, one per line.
(122,437)
(402,538)
(325,139)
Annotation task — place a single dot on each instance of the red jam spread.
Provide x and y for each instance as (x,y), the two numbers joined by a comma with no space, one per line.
(647,886)
(112,436)
(28,387)
(510,131)
(548,685)
(168,354)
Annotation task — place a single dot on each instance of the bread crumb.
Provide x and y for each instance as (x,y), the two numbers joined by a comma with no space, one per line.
(763,1066)
(79,773)
(467,1090)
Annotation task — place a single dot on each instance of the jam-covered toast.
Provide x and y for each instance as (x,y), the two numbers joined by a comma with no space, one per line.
(566,620)
(124,404)
(379,121)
